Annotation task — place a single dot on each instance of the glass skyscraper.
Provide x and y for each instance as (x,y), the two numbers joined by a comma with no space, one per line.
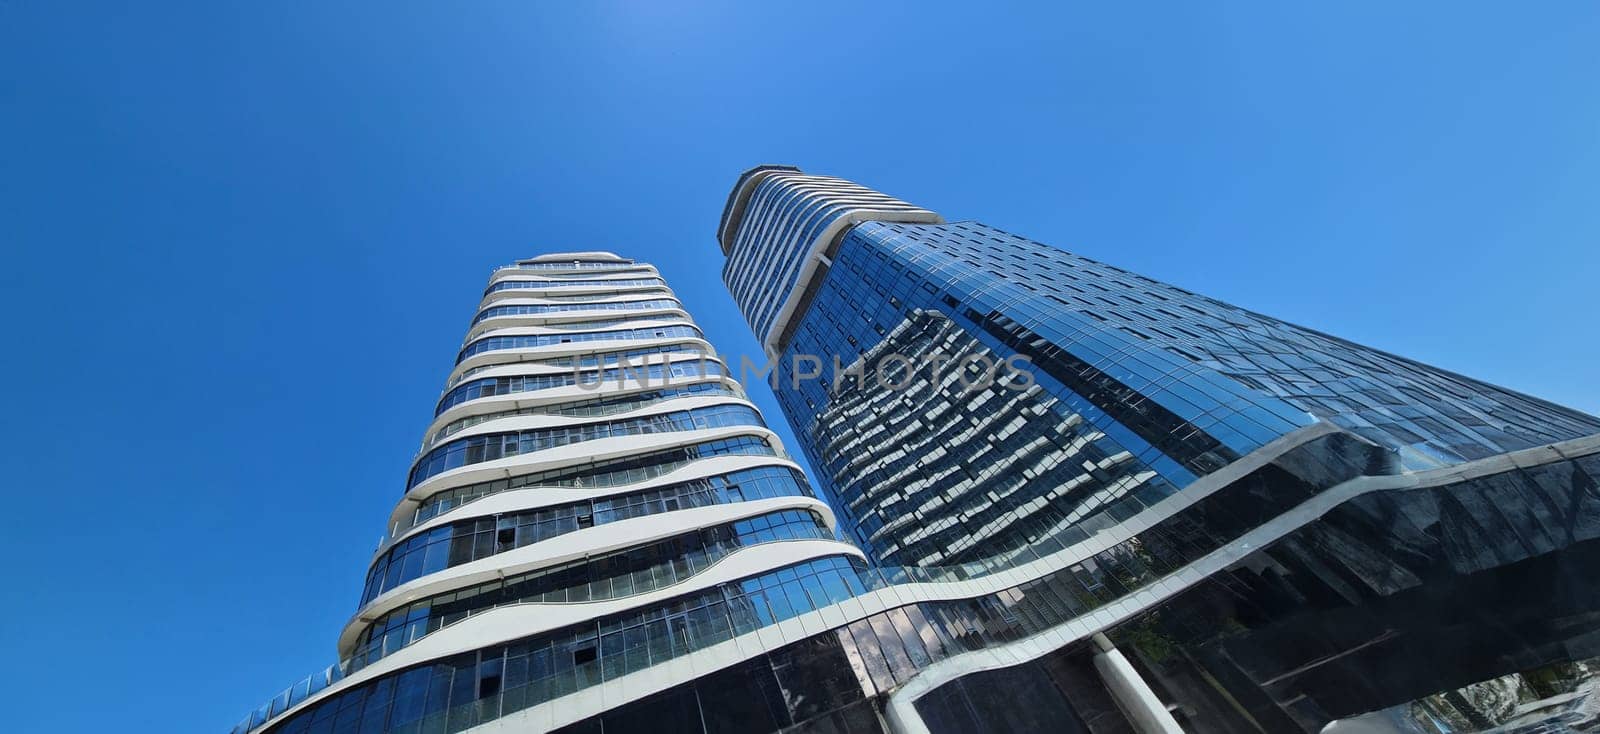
(1076,500)
(1240,524)
(597,513)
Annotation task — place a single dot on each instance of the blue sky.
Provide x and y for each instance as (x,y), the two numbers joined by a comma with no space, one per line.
(242,242)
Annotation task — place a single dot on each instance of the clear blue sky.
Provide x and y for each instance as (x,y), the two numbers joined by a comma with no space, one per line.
(242,242)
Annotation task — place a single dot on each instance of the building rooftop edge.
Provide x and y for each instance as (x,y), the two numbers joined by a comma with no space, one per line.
(589,255)
(738,196)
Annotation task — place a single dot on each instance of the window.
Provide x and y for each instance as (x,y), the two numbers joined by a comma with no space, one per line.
(489,677)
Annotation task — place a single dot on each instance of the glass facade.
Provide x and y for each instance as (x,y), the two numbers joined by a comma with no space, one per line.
(987,400)
(1114,500)
(628,357)
(1389,598)
(477,449)
(593,407)
(1171,384)
(482,685)
(531,341)
(494,312)
(1181,383)
(518,285)
(635,545)
(787,211)
(634,571)
(575,265)
(640,467)
(470,540)
(491,386)
(1323,580)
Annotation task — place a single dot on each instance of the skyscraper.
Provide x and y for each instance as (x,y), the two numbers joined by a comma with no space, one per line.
(1265,528)
(597,514)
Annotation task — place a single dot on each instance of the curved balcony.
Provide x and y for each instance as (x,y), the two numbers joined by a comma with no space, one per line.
(572,267)
(520,315)
(476,449)
(569,286)
(685,365)
(588,358)
(472,539)
(577,296)
(492,342)
(300,697)
(600,471)
(571,273)
(572,310)
(628,398)
(656,562)
(609,348)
